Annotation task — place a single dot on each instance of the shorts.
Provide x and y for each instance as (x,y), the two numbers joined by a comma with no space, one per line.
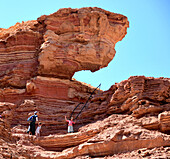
(70,129)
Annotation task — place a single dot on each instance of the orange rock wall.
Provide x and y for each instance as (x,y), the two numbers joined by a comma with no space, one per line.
(37,61)
(55,98)
(59,44)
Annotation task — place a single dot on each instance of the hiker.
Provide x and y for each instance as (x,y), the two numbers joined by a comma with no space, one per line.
(37,132)
(28,130)
(70,124)
(32,120)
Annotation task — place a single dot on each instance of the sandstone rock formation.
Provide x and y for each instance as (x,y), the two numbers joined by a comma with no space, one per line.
(76,39)
(37,61)
(19,47)
(59,44)
(110,132)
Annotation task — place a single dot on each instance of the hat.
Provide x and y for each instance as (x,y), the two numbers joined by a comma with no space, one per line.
(35,112)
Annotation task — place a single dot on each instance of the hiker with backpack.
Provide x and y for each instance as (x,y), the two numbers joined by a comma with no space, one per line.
(32,119)
(70,124)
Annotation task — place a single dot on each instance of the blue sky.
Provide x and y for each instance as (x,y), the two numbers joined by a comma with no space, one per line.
(145,50)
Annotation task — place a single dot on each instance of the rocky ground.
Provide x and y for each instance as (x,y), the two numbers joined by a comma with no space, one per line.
(37,61)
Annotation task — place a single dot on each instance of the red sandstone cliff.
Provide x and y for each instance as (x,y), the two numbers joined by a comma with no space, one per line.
(37,61)
(59,44)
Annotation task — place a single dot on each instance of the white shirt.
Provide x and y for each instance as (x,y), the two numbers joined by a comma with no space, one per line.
(38,130)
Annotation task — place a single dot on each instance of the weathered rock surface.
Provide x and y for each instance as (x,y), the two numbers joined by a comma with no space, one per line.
(59,44)
(108,135)
(19,47)
(164,120)
(79,39)
(115,134)
(54,98)
(38,59)
(4,130)
(161,152)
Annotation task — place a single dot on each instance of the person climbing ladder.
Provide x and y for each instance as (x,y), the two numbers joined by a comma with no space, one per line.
(70,124)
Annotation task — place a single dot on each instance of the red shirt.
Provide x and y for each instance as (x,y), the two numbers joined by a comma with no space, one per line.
(70,123)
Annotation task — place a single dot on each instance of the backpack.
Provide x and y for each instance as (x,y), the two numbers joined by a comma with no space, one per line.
(30,119)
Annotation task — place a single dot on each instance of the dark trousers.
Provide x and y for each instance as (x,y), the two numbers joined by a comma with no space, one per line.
(32,128)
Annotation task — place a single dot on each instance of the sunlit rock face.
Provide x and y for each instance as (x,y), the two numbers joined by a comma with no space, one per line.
(79,39)
(59,44)
(19,47)
(38,59)
(144,98)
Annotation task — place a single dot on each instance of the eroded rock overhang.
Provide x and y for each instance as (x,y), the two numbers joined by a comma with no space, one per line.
(59,44)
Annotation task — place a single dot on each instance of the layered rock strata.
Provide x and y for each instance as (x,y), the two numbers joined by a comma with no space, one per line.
(37,61)
(79,39)
(54,98)
(147,129)
(59,44)
(115,134)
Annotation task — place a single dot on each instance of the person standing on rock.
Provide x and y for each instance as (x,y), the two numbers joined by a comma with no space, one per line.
(33,120)
(70,124)
(37,132)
